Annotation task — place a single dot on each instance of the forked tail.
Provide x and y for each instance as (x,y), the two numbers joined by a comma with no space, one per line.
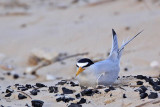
(116,52)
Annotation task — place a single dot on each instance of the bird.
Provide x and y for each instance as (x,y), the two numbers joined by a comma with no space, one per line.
(104,72)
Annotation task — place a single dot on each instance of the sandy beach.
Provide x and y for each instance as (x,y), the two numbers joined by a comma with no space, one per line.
(41,41)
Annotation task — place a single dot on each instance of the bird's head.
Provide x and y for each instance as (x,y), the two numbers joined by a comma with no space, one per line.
(82,64)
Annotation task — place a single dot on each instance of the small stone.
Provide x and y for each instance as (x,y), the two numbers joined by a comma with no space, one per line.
(28,86)
(39,85)
(78,95)
(143,95)
(124,96)
(53,89)
(142,89)
(152,95)
(67,91)
(62,82)
(15,76)
(34,92)
(8,73)
(112,88)
(125,69)
(24,89)
(9,90)
(20,96)
(156,88)
(73,84)
(107,90)
(8,95)
(141,77)
(37,103)
(87,92)
(74,105)
(139,83)
(82,101)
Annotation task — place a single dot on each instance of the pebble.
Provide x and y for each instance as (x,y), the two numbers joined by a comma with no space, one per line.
(28,86)
(8,95)
(78,95)
(62,82)
(74,105)
(124,96)
(34,92)
(64,99)
(73,84)
(152,95)
(82,101)
(9,90)
(107,90)
(89,92)
(37,103)
(139,83)
(15,76)
(125,69)
(143,95)
(40,85)
(21,96)
(140,77)
(156,88)
(67,91)
(53,89)
(142,89)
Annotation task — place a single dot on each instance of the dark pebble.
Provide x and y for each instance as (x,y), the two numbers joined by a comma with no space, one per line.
(15,76)
(37,103)
(87,92)
(74,105)
(8,73)
(21,96)
(53,89)
(62,82)
(111,95)
(67,91)
(9,91)
(28,86)
(125,69)
(39,85)
(64,99)
(139,83)
(20,87)
(143,95)
(156,88)
(140,77)
(107,90)
(8,95)
(34,92)
(24,89)
(78,95)
(73,84)
(112,88)
(152,95)
(82,101)
(142,89)
(124,96)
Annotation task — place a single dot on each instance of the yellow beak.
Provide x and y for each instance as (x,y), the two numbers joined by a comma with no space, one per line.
(79,71)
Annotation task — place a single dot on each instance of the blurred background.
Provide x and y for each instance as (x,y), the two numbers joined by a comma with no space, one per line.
(47,37)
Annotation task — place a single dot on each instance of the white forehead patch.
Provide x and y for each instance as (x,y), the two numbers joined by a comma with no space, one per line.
(82,64)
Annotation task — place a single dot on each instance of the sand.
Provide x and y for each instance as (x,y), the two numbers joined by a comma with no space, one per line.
(58,26)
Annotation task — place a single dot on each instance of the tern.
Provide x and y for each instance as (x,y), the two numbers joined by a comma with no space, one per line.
(103,72)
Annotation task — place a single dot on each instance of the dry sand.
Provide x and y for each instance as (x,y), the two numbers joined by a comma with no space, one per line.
(58,26)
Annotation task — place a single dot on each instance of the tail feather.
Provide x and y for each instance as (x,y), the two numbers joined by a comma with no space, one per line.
(114,42)
(125,43)
(116,52)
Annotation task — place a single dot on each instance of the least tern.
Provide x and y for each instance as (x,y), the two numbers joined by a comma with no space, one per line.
(103,72)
